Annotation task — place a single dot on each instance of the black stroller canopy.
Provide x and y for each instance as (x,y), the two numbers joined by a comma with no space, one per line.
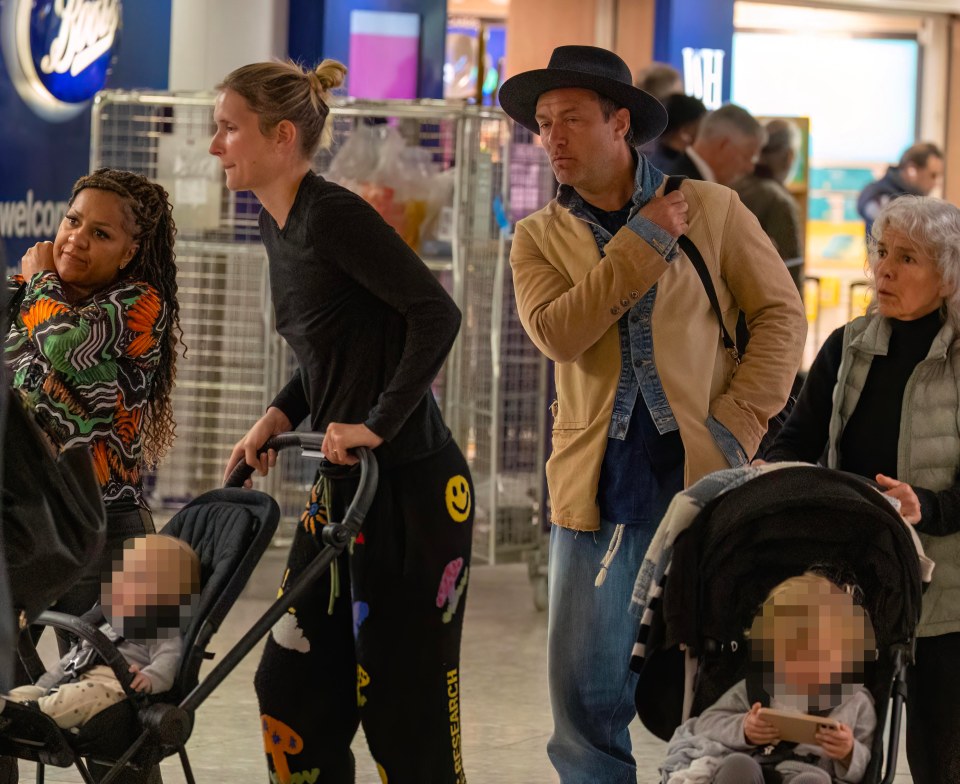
(229,529)
(779,525)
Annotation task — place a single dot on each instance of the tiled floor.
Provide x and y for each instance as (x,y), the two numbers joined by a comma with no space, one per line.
(506,714)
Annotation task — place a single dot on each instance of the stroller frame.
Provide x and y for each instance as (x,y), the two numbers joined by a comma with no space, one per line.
(694,627)
(166,726)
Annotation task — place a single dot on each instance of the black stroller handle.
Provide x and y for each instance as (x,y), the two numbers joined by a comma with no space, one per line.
(336,536)
(308,441)
(311,442)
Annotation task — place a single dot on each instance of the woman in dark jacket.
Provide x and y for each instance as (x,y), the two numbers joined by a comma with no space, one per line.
(883,400)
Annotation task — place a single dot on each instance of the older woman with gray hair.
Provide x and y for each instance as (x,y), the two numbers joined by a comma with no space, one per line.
(882,400)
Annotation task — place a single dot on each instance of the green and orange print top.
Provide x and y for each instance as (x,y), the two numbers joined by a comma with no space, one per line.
(87,369)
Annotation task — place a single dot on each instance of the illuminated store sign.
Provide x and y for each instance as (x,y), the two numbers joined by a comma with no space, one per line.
(58,52)
(703,75)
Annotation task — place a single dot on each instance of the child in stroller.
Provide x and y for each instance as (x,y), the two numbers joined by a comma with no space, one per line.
(725,544)
(229,530)
(808,645)
(143,608)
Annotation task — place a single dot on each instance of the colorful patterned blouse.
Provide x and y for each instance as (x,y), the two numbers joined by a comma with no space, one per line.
(87,370)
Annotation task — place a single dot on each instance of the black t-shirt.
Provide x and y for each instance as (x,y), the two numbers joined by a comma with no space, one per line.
(369,324)
(611,220)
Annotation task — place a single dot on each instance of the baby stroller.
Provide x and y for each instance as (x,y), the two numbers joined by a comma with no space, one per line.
(229,529)
(742,544)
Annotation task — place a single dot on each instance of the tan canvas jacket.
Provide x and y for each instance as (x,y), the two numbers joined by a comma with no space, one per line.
(569,301)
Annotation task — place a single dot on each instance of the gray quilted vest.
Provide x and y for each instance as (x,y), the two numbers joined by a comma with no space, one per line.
(928,453)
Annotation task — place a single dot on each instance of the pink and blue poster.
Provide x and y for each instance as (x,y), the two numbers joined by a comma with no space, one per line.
(384,54)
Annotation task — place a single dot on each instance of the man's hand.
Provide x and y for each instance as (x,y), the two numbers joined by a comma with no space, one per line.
(140,682)
(39,258)
(757,731)
(909,503)
(668,212)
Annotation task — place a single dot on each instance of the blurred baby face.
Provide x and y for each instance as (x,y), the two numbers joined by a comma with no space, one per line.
(811,637)
(154,579)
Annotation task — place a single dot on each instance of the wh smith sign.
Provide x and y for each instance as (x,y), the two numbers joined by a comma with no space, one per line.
(58,52)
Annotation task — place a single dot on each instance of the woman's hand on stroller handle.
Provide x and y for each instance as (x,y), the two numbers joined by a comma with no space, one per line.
(904,493)
(249,448)
(340,438)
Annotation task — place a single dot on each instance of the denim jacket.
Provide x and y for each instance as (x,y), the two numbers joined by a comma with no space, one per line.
(638,372)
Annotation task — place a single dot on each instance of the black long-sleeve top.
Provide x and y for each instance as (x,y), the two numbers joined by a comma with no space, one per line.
(869,442)
(369,324)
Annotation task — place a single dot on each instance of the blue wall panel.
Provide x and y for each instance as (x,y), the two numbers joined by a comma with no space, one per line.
(699,24)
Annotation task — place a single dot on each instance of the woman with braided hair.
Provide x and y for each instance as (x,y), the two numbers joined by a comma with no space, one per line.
(379,641)
(92,347)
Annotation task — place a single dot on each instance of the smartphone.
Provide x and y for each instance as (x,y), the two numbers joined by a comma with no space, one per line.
(797,727)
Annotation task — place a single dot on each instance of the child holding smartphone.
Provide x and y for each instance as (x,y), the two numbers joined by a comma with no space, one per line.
(808,644)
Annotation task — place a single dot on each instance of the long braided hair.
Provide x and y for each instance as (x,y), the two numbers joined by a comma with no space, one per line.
(155,263)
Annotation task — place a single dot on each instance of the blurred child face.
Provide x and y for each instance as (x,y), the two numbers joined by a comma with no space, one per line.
(809,650)
(812,637)
(152,571)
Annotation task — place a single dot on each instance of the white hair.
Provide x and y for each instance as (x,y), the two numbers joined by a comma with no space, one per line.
(933,225)
(730,120)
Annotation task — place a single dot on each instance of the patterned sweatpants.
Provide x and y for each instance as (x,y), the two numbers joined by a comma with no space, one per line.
(377,640)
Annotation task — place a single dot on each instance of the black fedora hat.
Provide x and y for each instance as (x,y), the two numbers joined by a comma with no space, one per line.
(594,69)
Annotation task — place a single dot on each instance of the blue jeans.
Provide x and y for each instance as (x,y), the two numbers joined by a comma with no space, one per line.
(590,637)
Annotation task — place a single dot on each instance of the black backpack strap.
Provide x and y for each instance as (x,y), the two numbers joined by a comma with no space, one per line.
(693,253)
(673,182)
(755,690)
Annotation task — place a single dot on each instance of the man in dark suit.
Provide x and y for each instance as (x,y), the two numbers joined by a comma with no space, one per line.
(918,173)
(726,147)
(684,115)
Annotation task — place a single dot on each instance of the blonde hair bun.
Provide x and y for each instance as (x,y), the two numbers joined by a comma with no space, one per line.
(330,74)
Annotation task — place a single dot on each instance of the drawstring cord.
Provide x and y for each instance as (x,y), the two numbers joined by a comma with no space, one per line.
(614,546)
(326,496)
(334,585)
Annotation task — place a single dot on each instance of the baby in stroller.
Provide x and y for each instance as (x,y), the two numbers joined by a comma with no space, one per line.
(143,608)
(808,646)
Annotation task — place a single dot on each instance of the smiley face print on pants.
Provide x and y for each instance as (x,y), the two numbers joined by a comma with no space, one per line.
(458,498)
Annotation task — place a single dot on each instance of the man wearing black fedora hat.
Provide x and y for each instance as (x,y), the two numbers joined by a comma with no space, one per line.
(648,398)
